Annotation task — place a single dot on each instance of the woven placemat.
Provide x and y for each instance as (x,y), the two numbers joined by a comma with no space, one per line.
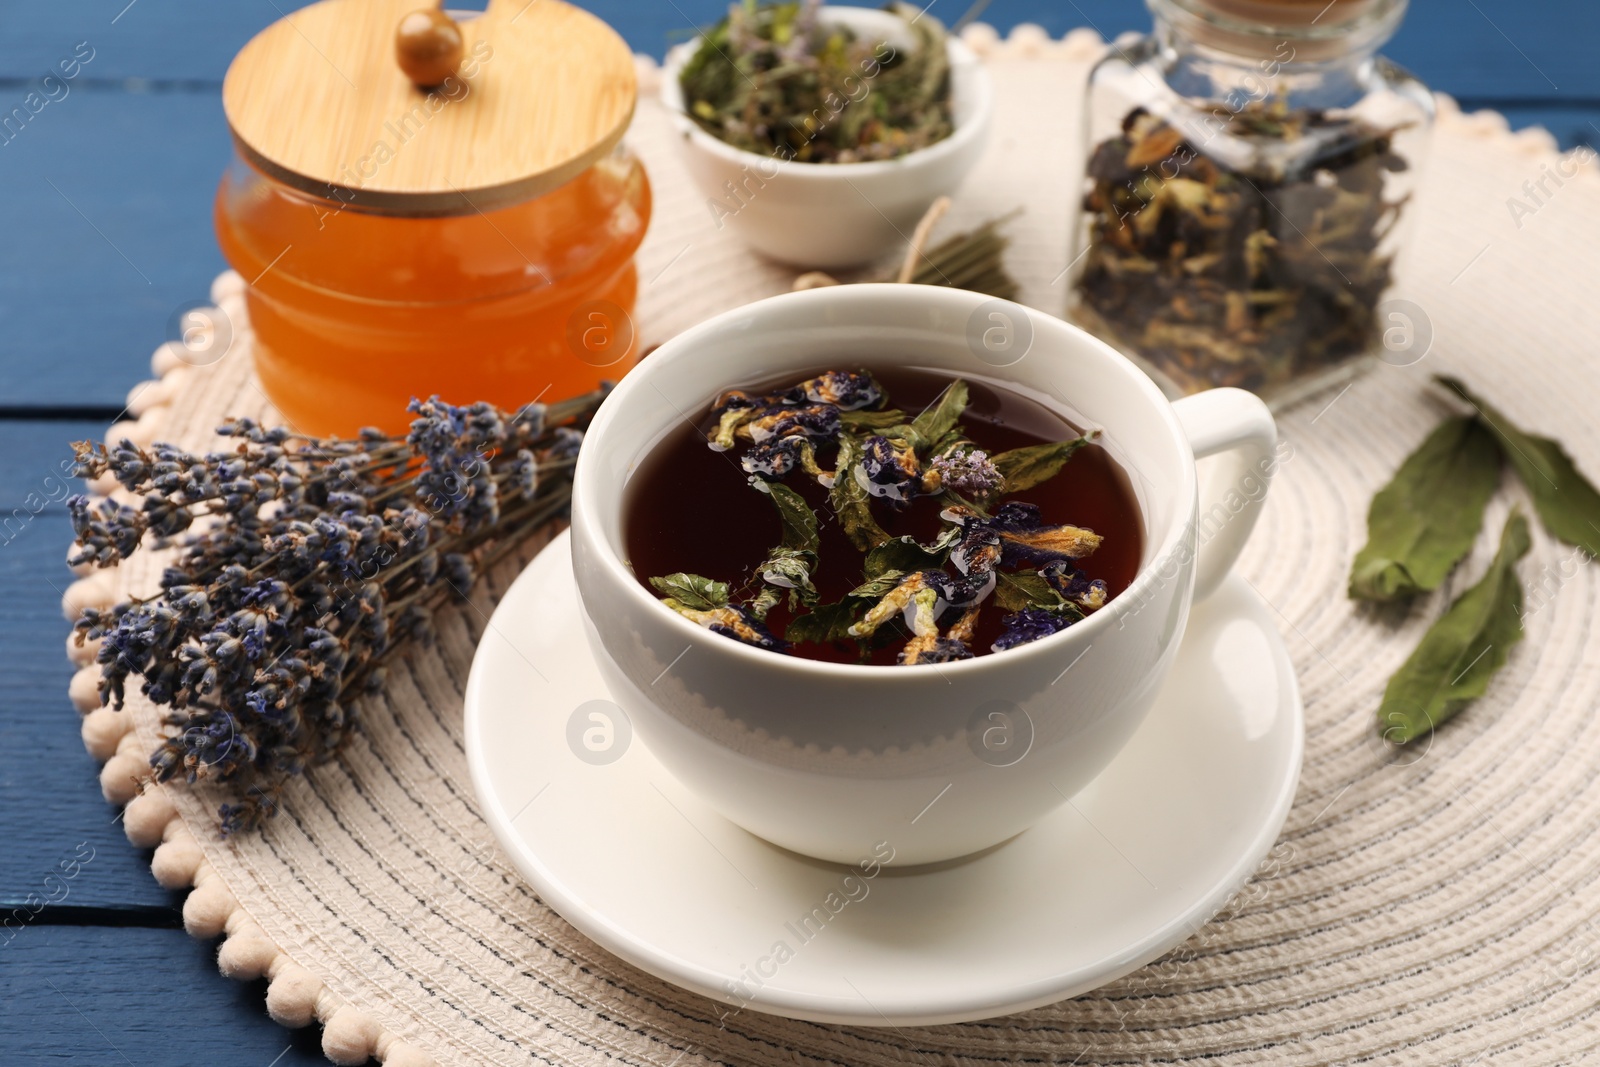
(1436,906)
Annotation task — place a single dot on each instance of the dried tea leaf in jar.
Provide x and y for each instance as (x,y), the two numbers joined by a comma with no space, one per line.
(1244,199)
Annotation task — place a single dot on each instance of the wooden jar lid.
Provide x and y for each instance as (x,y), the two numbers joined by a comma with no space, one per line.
(318,101)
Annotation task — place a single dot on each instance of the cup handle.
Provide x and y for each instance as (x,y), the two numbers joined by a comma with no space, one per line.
(1238,428)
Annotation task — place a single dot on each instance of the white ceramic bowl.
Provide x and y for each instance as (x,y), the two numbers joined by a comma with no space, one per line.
(935,761)
(829,216)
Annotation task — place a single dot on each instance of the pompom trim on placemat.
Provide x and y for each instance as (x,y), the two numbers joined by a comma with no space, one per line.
(295,997)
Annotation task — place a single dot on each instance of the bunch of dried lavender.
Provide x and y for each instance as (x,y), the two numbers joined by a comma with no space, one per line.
(1249,273)
(773,78)
(304,566)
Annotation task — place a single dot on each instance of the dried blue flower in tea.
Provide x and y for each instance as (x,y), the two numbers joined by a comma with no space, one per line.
(1030,624)
(888,468)
(899,538)
(845,390)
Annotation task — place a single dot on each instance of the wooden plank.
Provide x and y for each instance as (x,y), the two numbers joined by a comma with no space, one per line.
(108,233)
(72,995)
(49,786)
(36,478)
(1498,48)
(159,40)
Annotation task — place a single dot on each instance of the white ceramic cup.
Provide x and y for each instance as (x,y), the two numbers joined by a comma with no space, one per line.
(942,760)
(830,216)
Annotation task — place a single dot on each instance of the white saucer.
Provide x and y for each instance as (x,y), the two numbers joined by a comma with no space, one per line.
(1133,866)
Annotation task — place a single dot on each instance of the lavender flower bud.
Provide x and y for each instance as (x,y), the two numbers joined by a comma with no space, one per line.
(567,443)
(525,473)
(458,571)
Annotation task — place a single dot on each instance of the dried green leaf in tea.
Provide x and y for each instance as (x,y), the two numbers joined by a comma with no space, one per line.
(849,497)
(897,539)
(1024,468)
(692,591)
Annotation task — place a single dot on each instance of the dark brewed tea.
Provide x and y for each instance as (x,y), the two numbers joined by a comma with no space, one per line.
(900,516)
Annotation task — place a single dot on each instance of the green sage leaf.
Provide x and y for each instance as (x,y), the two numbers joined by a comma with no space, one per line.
(1461,652)
(849,500)
(1024,468)
(1424,521)
(939,417)
(692,591)
(825,624)
(1566,501)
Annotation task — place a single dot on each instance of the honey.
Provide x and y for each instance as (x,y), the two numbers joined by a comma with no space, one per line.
(355,312)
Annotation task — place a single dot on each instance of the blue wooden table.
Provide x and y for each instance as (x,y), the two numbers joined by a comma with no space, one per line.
(105,232)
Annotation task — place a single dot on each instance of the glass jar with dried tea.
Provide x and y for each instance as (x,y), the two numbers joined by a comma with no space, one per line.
(1250,170)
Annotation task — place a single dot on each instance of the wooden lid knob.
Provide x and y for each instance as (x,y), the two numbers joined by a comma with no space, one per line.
(540,92)
(428,46)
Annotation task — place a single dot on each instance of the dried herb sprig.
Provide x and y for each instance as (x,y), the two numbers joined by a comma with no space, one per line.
(304,566)
(838,429)
(1425,520)
(973,260)
(1568,503)
(776,79)
(1423,523)
(1461,652)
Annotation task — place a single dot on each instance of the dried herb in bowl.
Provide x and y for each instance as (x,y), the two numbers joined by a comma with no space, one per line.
(1253,257)
(778,79)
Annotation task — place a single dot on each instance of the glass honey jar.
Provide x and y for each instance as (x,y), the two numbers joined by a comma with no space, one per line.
(472,238)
